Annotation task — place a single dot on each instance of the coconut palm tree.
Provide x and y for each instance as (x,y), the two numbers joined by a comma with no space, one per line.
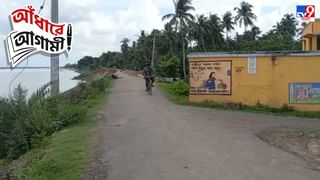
(180,20)
(255,31)
(227,22)
(216,30)
(245,15)
(303,25)
(200,30)
(169,36)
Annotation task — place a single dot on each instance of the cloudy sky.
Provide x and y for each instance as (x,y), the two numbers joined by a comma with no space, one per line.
(101,24)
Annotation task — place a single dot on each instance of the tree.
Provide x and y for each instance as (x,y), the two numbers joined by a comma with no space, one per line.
(125,49)
(245,15)
(227,22)
(169,66)
(255,31)
(180,20)
(170,36)
(301,28)
(215,35)
(87,62)
(288,24)
(199,30)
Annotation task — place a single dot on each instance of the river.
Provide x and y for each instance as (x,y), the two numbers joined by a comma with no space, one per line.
(32,79)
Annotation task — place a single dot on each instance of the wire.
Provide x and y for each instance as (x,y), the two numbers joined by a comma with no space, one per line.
(42,6)
(17,75)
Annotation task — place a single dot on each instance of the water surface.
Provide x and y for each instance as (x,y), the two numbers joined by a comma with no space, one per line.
(32,79)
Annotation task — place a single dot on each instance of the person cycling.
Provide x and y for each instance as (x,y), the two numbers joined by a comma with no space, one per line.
(148,74)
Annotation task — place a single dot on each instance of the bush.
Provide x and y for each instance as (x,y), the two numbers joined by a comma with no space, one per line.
(179,88)
(25,122)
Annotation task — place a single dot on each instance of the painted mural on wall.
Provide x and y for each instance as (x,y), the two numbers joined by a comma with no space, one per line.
(304,93)
(210,78)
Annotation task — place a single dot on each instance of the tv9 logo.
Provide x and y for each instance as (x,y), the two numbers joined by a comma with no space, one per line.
(306,12)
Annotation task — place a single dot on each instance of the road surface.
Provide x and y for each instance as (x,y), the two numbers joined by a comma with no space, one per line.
(149,138)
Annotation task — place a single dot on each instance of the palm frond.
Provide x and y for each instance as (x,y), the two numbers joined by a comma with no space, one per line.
(168,16)
(19,94)
(40,94)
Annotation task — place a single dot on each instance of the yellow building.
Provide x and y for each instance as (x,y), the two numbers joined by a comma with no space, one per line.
(270,78)
(274,79)
(311,36)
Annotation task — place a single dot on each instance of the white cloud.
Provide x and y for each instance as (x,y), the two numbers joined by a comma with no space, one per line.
(101,24)
(265,20)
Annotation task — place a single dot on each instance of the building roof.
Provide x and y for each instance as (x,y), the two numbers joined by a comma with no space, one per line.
(313,28)
(253,54)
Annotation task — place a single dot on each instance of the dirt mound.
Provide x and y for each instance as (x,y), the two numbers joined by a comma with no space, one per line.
(100,72)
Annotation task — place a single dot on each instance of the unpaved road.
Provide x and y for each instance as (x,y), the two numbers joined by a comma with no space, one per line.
(149,138)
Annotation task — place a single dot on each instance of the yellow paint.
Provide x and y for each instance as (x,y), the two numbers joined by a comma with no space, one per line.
(309,36)
(270,84)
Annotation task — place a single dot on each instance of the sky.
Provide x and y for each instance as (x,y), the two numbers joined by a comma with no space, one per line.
(100,25)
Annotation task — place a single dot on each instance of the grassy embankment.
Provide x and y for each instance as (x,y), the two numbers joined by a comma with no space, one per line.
(65,153)
(177,92)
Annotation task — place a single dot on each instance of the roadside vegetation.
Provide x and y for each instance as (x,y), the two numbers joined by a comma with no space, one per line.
(178,92)
(46,137)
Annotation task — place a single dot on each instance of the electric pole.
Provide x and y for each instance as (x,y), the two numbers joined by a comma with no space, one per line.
(153,50)
(54,68)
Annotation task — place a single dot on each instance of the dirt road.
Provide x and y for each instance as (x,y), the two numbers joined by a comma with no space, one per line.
(149,138)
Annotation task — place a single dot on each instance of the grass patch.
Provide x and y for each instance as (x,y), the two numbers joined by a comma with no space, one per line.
(171,91)
(64,155)
(172,95)
(182,98)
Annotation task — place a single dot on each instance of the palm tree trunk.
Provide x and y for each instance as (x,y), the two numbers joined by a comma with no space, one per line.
(203,46)
(214,43)
(183,58)
(183,53)
(171,49)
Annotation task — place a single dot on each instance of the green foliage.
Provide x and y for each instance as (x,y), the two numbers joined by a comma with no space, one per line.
(70,66)
(66,152)
(183,34)
(244,15)
(180,88)
(169,66)
(178,93)
(26,121)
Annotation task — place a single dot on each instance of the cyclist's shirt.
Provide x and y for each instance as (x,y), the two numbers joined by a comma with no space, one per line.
(148,72)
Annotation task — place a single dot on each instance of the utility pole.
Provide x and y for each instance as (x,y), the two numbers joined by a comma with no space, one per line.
(153,50)
(55,57)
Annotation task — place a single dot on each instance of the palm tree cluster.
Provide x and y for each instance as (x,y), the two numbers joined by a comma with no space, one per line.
(185,32)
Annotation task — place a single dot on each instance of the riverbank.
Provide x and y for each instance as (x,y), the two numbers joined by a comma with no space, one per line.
(63,155)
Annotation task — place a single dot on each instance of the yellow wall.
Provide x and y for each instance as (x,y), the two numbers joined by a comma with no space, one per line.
(270,84)
(314,43)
